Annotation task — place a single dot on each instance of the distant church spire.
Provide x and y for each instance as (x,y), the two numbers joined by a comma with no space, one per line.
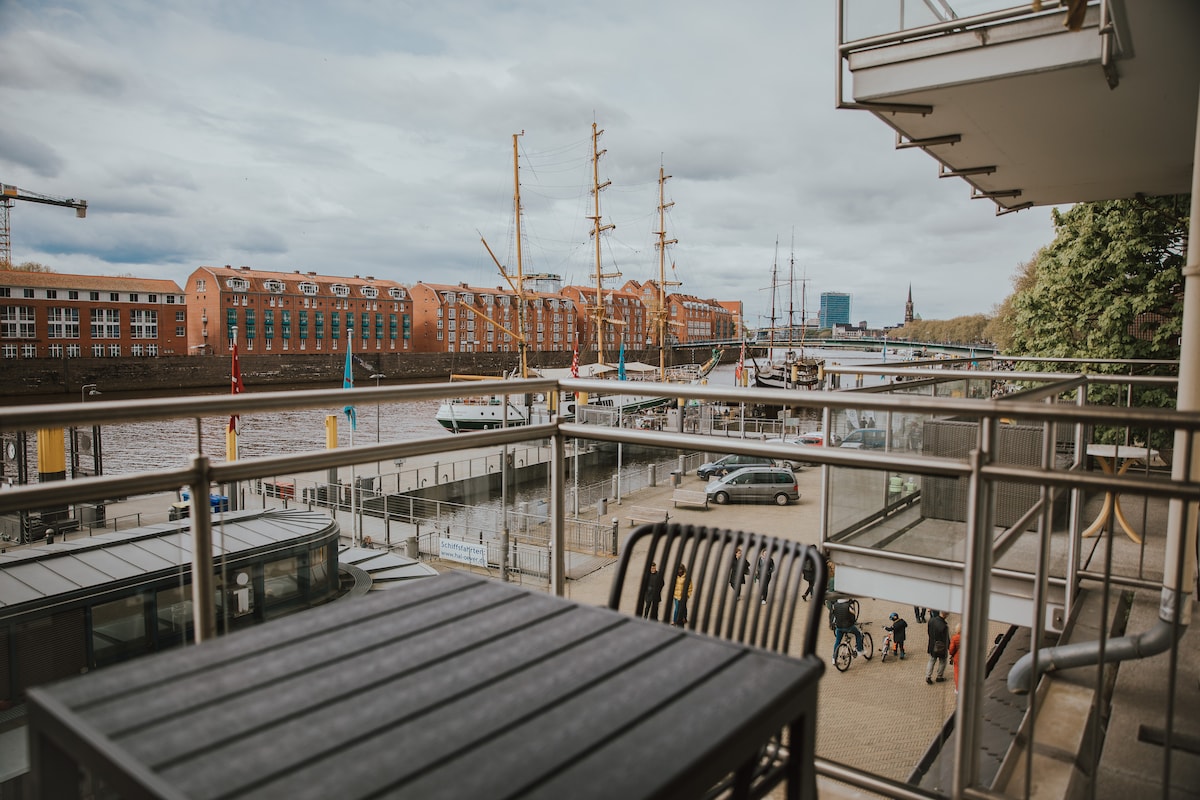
(908,307)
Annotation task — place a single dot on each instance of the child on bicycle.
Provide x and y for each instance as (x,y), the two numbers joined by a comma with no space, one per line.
(898,629)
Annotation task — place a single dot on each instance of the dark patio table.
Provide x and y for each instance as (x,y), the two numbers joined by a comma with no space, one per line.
(455,686)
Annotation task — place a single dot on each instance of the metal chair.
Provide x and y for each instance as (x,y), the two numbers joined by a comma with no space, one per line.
(752,599)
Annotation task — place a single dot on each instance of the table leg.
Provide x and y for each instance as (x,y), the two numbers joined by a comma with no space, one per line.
(1110,500)
(1129,531)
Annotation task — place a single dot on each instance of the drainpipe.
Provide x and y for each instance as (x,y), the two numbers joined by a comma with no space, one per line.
(1179,568)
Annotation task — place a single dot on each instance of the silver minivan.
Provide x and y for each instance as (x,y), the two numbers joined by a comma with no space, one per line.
(755,485)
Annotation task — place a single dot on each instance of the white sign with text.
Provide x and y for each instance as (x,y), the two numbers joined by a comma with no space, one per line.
(463,552)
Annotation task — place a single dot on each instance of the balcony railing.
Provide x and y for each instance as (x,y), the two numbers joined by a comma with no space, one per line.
(1007,476)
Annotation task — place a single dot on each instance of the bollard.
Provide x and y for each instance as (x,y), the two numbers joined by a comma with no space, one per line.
(601,506)
(651,476)
(676,478)
(615,525)
(682,466)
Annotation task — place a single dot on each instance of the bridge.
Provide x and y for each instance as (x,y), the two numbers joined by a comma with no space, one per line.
(982,350)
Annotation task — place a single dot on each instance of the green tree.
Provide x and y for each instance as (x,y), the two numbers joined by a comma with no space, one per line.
(1110,285)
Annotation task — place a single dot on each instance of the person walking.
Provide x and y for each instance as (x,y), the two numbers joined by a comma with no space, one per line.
(809,573)
(939,645)
(954,648)
(653,595)
(919,613)
(766,568)
(899,631)
(738,571)
(683,591)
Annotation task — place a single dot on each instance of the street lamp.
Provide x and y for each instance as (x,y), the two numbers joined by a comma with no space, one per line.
(377,376)
(84,394)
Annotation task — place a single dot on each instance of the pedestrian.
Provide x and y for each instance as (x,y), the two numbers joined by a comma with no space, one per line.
(828,575)
(845,621)
(954,649)
(763,575)
(809,573)
(919,613)
(939,645)
(653,594)
(683,591)
(899,631)
(737,572)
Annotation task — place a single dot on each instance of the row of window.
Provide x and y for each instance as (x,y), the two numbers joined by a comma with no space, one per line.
(75,294)
(308,288)
(393,327)
(20,322)
(76,351)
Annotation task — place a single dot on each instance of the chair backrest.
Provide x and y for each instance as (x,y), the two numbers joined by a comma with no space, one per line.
(752,599)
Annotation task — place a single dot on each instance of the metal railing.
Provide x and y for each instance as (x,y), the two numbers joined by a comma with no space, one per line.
(982,469)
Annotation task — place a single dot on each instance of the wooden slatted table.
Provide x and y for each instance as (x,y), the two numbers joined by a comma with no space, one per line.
(454,686)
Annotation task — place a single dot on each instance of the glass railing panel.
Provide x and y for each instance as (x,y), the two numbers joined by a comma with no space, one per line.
(868,18)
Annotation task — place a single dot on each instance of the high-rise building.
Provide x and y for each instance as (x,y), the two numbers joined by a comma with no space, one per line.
(835,309)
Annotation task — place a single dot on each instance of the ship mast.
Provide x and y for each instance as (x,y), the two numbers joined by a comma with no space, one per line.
(517,286)
(774,284)
(660,311)
(522,345)
(597,229)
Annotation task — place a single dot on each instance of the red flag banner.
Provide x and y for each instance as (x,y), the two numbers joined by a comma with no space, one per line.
(575,362)
(741,366)
(238,388)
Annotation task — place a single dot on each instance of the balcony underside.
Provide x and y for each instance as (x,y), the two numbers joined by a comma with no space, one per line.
(1024,108)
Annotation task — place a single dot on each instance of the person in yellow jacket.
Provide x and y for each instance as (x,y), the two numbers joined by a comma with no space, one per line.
(683,590)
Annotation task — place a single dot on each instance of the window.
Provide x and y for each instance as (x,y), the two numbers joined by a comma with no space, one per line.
(5,291)
(151,298)
(280,581)
(340,290)
(94,297)
(238,284)
(309,289)
(335,325)
(119,630)
(17,322)
(133,298)
(285,318)
(201,285)
(174,612)
(396,293)
(181,316)
(97,351)
(29,351)
(52,294)
(319,319)
(74,351)
(250,327)
(72,294)
(135,350)
(274,286)
(114,350)
(268,325)
(28,293)
(170,299)
(180,331)
(62,323)
(10,351)
(369,291)
(143,324)
(114,297)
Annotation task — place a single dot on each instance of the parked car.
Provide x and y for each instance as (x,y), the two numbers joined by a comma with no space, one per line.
(727,464)
(865,439)
(755,485)
(815,439)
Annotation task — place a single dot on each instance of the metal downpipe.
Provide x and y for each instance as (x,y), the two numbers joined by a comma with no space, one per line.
(1179,568)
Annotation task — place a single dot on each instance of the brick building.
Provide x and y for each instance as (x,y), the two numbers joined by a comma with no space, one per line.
(695,320)
(460,318)
(56,315)
(290,312)
(622,305)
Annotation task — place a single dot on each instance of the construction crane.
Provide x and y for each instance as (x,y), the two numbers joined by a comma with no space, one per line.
(10,193)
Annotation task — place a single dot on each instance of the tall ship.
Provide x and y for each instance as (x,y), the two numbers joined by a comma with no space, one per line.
(795,369)
(484,411)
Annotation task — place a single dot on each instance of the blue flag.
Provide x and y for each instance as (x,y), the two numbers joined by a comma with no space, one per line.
(348,383)
(621,363)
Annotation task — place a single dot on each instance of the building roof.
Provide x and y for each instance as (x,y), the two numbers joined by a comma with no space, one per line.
(47,572)
(104,283)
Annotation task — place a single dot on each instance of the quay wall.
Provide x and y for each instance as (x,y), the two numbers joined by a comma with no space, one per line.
(47,377)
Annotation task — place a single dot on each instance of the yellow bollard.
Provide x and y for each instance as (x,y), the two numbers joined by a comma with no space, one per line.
(331,432)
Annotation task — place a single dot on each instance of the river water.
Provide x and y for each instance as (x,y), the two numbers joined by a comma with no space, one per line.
(142,447)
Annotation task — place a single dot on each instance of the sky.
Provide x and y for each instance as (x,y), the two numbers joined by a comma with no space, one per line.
(375,138)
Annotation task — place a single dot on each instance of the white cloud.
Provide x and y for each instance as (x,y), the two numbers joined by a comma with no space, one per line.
(375,138)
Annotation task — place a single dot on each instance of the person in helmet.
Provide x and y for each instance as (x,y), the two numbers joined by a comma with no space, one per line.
(898,630)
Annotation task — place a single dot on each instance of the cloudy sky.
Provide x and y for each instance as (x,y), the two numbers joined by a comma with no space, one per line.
(374,137)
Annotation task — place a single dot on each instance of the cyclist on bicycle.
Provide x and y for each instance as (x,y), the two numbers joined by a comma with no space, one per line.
(844,621)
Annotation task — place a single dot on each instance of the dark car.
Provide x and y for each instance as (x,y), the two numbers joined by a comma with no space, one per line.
(727,464)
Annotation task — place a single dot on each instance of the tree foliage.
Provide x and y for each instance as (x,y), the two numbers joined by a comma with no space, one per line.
(26,266)
(960,330)
(1110,286)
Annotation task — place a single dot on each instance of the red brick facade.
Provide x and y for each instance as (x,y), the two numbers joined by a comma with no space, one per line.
(290,312)
(56,315)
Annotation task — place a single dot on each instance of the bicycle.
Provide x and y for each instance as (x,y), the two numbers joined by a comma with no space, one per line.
(886,649)
(847,650)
